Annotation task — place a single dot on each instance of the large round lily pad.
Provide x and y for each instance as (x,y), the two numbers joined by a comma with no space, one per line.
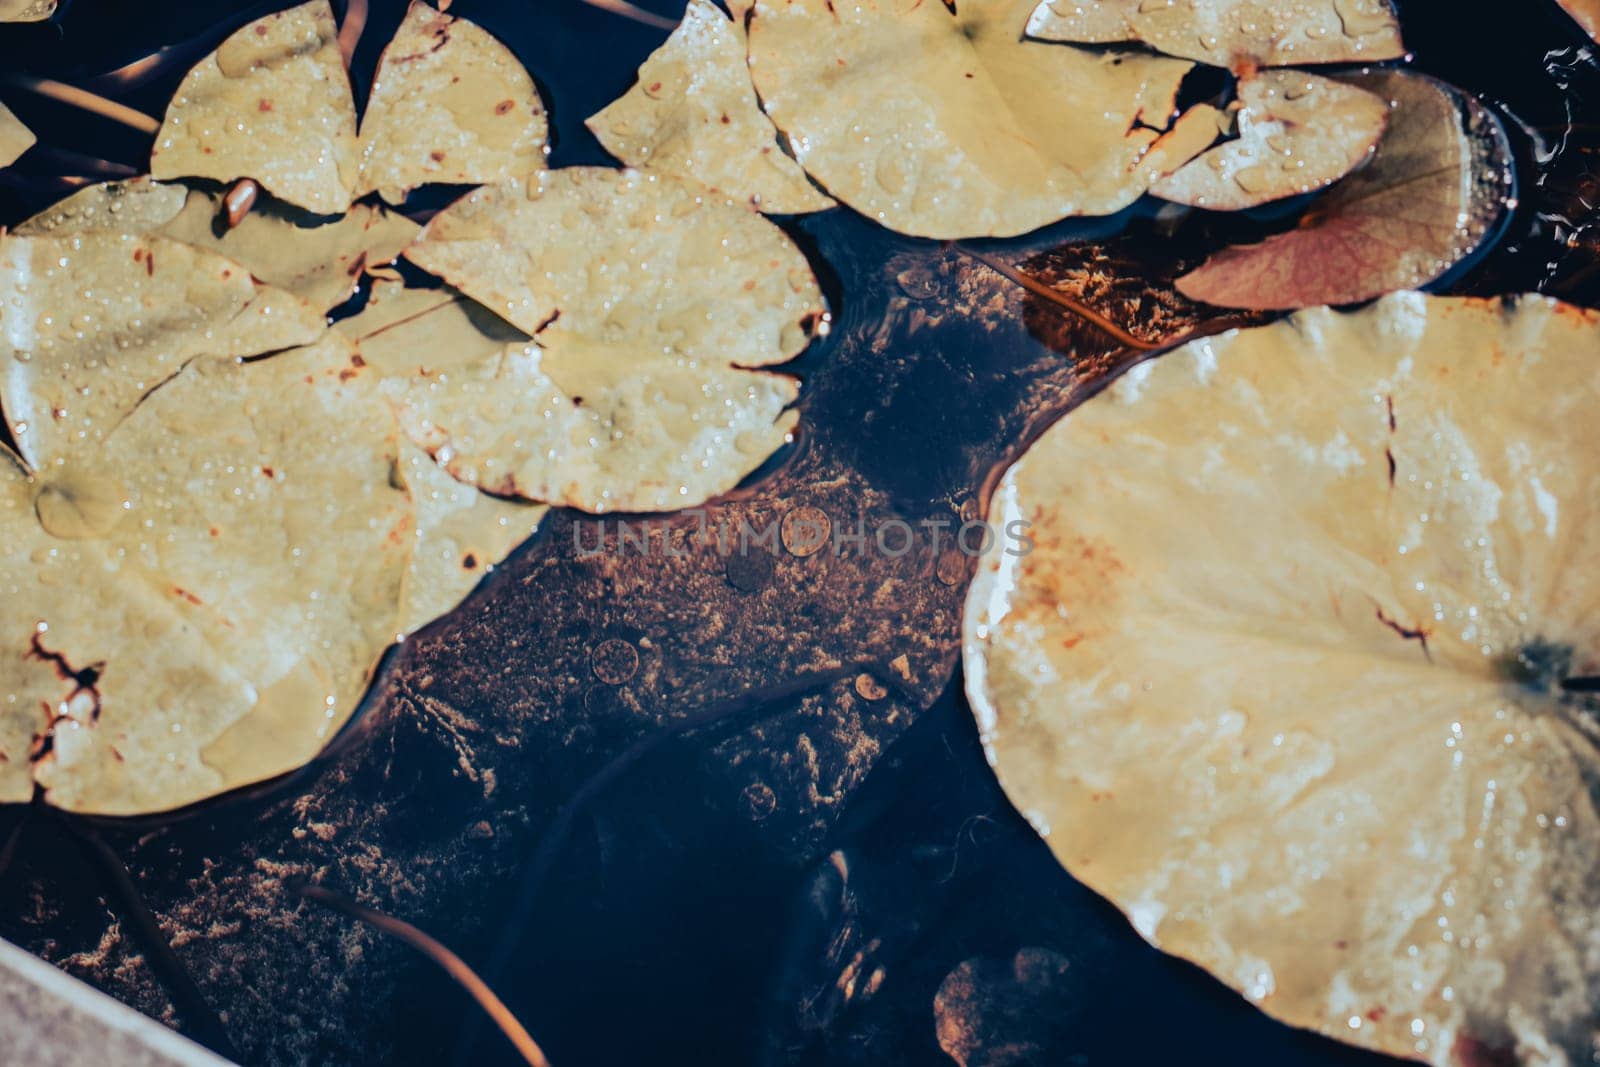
(1288,677)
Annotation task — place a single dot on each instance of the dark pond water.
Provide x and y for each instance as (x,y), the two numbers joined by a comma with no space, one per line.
(639,891)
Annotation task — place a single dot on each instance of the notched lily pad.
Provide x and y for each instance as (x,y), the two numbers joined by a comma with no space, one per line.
(449,104)
(1435,190)
(272,103)
(15,138)
(1297,133)
(694,113)
(218,619)
(948,124)
(95,322)
(1385,828)
(1231,33)
(650,302)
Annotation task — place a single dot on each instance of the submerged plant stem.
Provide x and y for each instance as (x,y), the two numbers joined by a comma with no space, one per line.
(1061,300)
(448,961)
(87,101)
(634,12)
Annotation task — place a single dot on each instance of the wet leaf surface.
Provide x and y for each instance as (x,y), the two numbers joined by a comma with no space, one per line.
(77,364)
(949,125)
(1297,133)
(1435,190)
(694,113)
(651,306)
(178,626)
(1405,589)
(451,105)
(272,103)
(1231,33)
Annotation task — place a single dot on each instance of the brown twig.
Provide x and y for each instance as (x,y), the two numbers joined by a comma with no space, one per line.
(446,960)
(634,12)
(1061,300)
(85,100)
(355,21)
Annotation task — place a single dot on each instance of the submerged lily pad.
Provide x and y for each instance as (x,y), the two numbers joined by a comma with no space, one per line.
(15,138)
(1296,133)
(272,103)
(694,113)
(651,303)
(449,104)
(1435,190)
(1283,676)
(1231,33)
(96,322)
(948,124)
(217,614)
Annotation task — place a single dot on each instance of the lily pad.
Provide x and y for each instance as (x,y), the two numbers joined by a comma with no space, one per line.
(96,322)
(272,103)
(1287,674)
(1238,34)
(135,206)
(1437,186)
(450,104)
(651,302)
(216,615)
(948,124)
(461,535)
(15,138)
(1296,133)
(694,113)
(461,532)
(26,10)
(318,259)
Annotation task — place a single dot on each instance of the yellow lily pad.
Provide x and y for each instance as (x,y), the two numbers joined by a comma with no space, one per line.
(1288,676)
(96,321)
(461,532)
(272,103)
(450,104)
(948,124)
(694,113)
(651,302)
(222,623)
(1297,133)
(1231,33)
